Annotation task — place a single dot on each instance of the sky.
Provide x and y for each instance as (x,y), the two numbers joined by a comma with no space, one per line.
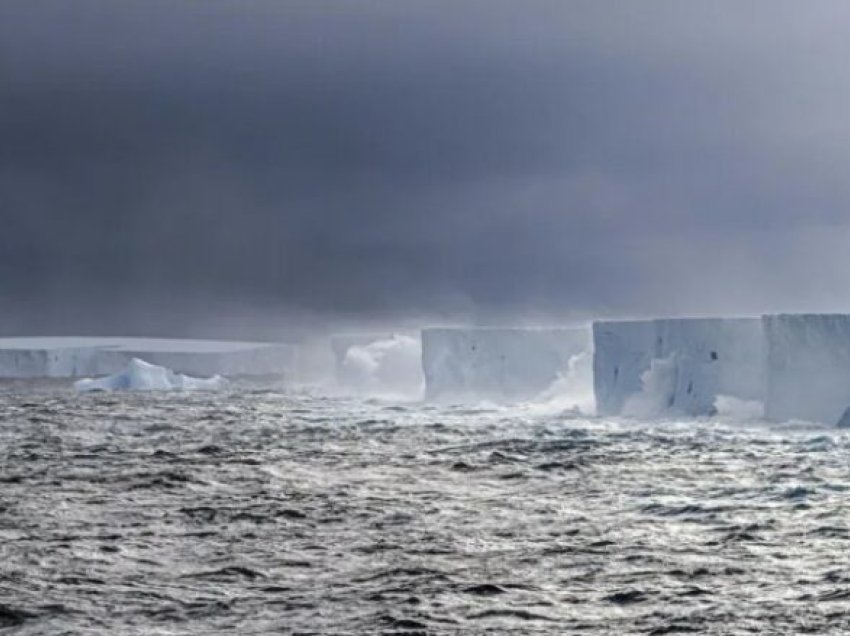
(264,167)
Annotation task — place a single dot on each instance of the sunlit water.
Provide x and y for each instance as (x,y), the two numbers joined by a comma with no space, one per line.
(260,512)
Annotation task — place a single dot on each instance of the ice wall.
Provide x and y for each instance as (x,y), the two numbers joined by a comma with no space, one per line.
(808,367)
(497,364)
(48,363)
(74,357)
(201,357)
(676,365)
(49,357)
(622,352)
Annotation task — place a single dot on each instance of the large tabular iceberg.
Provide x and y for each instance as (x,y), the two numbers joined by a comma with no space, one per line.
(142,376)
(808,367)
(676,365)
(75,357)
(497,364)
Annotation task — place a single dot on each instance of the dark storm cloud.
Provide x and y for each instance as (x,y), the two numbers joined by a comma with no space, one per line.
(211,162)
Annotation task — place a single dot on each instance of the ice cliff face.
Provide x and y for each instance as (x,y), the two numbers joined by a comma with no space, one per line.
(781,367)
(497,364)
(48,362)
(676,366)
(808,367)
(622,352)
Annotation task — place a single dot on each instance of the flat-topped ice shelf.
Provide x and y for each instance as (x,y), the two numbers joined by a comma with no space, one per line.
(68,356)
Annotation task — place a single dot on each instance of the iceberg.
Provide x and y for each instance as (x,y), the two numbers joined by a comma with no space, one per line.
(76,357)
(143,376)
(676,366)
(499,364)
(808,367)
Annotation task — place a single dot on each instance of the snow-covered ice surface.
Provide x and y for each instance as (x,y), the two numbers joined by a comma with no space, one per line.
(502,365)
(808,367)
(676,366)
(75,357)
(258,512)
(142,376)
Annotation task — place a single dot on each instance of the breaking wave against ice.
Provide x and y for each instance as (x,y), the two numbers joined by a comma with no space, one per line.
(735,409)
(658,384)
(387,367)
(572,390)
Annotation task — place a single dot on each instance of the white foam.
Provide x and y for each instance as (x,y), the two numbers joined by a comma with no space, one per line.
(658,390)
(735,409)
(572,390)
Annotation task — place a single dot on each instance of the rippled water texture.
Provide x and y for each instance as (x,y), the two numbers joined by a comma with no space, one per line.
(260,512)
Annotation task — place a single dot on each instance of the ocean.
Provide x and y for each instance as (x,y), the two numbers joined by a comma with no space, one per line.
(263,511)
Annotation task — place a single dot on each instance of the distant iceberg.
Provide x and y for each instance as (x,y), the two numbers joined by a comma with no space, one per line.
(56,357)
(143,376)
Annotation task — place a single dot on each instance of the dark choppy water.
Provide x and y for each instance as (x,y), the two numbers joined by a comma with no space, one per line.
(258,513)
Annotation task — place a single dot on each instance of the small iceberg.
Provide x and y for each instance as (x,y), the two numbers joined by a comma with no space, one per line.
(143,376)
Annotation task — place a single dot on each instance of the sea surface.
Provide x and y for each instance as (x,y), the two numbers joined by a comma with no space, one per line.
(267,512)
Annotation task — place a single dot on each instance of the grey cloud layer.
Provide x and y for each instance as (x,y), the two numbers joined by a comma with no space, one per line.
(469,160)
